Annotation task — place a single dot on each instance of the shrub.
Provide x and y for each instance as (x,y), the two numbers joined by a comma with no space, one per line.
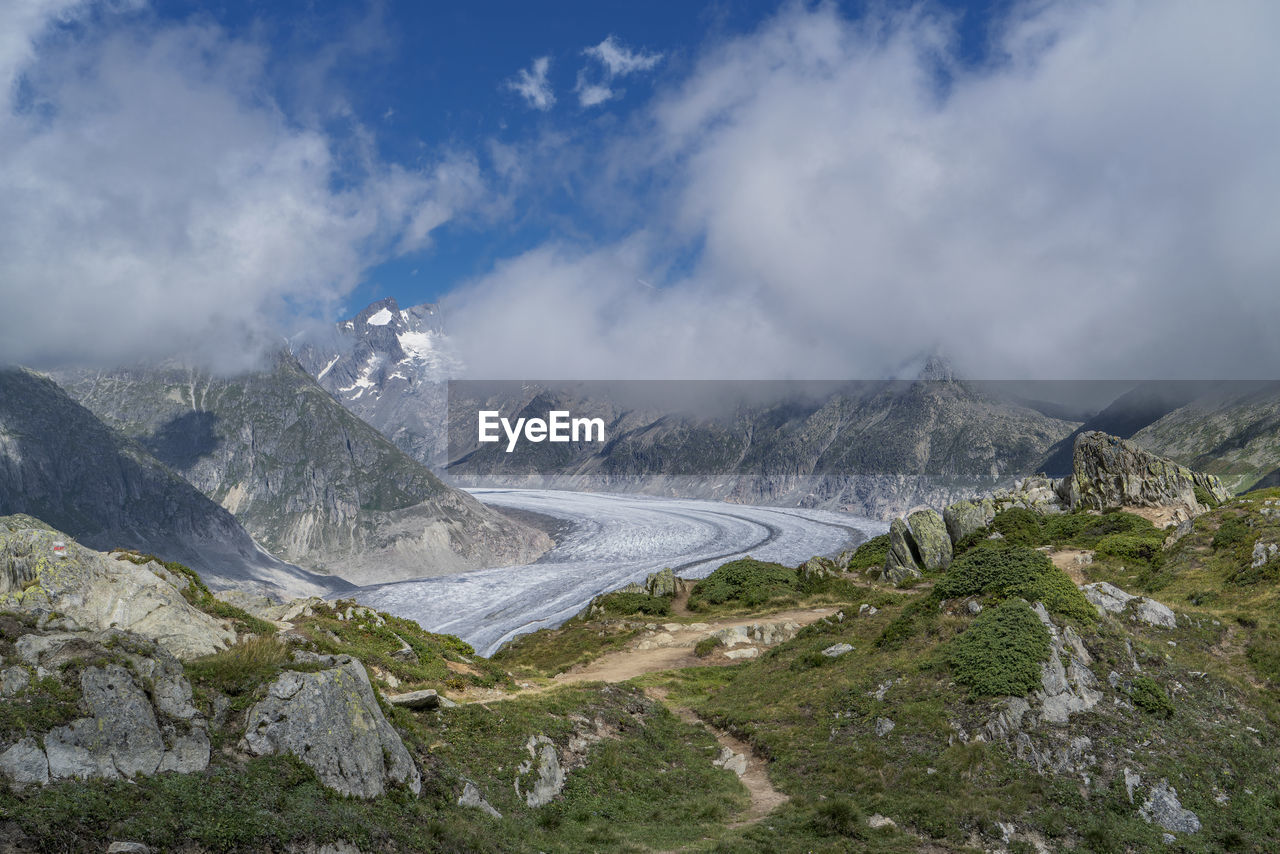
(1084,530)
(1000,654)
(622,604)
(917,616)
(1001,569)
(839,817)
(707,645)
(1018,526)
(744,582)
(1232,533)
(871,553)
(1142,549)
(1148,696)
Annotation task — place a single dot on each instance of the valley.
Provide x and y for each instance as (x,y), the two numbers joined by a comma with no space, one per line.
(612,540)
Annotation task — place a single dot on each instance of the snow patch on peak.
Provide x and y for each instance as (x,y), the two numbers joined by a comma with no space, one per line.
(380,318)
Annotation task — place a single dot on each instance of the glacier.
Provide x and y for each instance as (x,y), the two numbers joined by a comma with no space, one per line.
(606,541)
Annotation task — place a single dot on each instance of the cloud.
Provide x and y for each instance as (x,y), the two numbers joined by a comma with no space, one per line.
(532,84)
(591,94)
(838,195)
(619,60)
(616,61)
(155,199)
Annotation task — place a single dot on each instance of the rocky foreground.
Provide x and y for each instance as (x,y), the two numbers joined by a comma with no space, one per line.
(1040,671)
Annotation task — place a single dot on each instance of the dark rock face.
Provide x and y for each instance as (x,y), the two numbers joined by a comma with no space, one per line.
(1111,472)
(311,482)
(62,465)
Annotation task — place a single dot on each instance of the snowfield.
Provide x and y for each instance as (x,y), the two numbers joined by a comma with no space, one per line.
(608,540)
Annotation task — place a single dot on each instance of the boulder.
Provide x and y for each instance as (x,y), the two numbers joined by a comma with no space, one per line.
(1163,808)
(900,564)
(330,720)
(819,567)
(98,591)
(471,797)
(730,761)
(545,763)
(837,650)
(662,583)
(933,543)
(965,517)
(426,699)
(1112,472)
(140,717)
(1109,599)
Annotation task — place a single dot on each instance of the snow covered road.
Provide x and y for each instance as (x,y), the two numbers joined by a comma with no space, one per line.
(610,540)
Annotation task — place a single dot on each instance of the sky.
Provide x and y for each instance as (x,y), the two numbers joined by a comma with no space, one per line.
(1056,189)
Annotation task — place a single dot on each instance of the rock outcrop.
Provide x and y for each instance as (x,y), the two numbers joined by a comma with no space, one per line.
(965,517)
(139,718)
(917,544)
(1111,472)
(331,721)
(1109,599)
(98,591)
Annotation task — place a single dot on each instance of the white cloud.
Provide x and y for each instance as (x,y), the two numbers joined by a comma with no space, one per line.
(618,60)
(1097,202)
(532,84)
(591,94)
(154,199)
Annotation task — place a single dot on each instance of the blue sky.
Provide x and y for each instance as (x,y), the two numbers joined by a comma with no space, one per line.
(427,78)
(1038,188)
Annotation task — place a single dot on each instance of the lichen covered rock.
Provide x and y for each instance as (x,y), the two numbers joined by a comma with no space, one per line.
(1112,472)
(965,517)
(331,721)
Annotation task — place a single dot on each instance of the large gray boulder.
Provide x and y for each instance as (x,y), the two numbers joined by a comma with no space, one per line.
(900,564)
(932,541)
(965,517)
(1163,808)
(98,591)
(1112,472)
(331,721)
(139,721)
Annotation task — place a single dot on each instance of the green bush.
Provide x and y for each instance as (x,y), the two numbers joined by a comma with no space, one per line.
(744,582)
(1263,653)
(707,645)
(1084,530)
(916,617)
(1148,696)
(839,817)
(1000,654)
(1140,549)
(1001,569)
(623,604)
(871,553)
(1233,533)
(1019,526)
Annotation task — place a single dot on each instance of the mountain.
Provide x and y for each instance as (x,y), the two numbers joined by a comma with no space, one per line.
(1137,408)
(311,481)
(872,448)
(61,464)
(1232,431)
(389,366)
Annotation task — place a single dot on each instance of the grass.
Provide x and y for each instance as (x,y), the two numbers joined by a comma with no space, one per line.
(237,670)
(578,641)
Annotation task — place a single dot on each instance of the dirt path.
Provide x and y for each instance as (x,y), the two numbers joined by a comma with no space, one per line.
(1072,562)
(764,797)
(672,646)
